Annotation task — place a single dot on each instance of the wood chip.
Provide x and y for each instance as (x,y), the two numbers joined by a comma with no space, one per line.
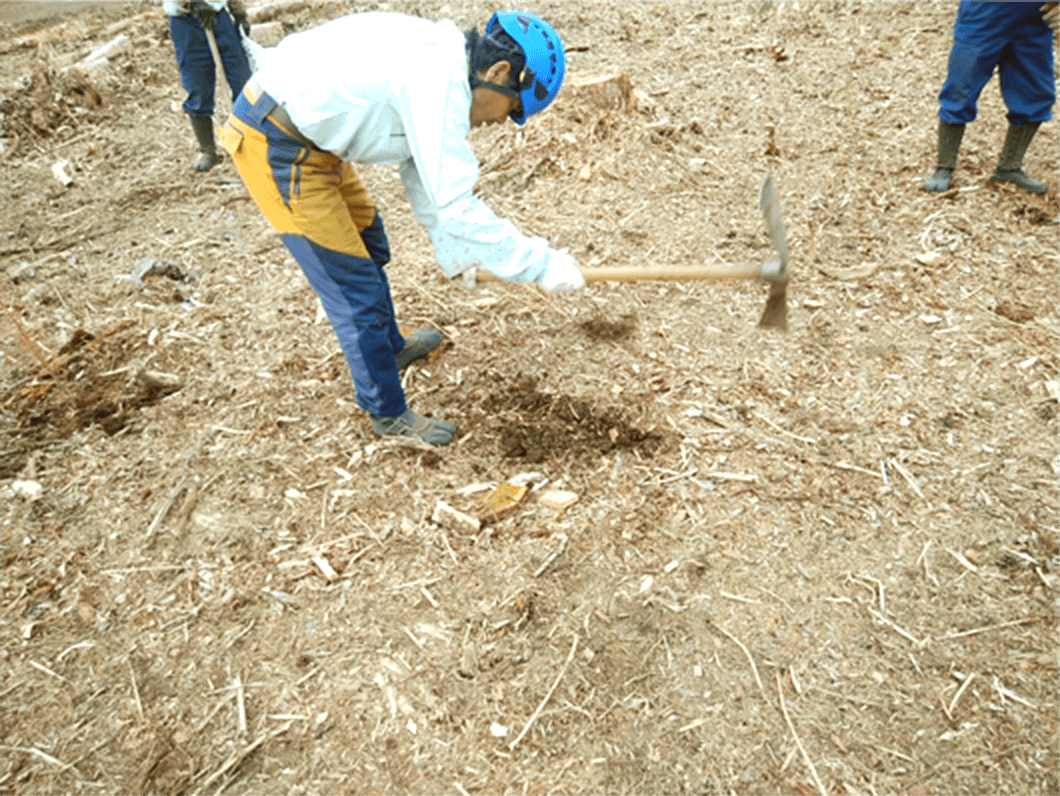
(330,575)
(502,501)
(557,498)
(448,517)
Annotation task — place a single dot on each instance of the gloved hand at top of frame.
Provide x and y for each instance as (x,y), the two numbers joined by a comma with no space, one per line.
(468,279)
(204,13)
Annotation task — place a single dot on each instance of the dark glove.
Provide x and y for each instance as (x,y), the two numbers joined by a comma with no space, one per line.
(242,22)
(204,13)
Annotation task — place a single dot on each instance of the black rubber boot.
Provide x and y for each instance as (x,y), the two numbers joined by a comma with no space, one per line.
(950,136)
(1010,167)
(203,128)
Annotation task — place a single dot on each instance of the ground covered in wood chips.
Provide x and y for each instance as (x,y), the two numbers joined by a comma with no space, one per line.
(823,561)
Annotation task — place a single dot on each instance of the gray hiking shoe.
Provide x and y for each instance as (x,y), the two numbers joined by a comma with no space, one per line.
(410,424)
(418,345)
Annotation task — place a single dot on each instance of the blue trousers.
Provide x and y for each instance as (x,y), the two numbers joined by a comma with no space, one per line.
(1011,37)
(330,225)
(195,61)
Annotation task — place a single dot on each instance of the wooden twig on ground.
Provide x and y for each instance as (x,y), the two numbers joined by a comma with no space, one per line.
(241,705)
(877,591)
(239,757)
(854,469)
(957,696)
(769,422)
(986,629)
(136,692)
(548,696)
(798,743)
(47,758)
(163,512)
(924,561)
(1005,693)
(961,559)
(895,627)
(42,668)
(908,478)
(739,644)
(553,555)
(739,599)
(191,498)
(26,342)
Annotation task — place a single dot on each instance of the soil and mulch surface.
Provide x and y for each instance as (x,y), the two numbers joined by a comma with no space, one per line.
(670,552)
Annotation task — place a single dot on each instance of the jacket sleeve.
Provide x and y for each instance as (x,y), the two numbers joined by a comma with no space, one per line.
(440,179)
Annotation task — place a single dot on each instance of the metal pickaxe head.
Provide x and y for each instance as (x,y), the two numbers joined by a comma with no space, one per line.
(775,270)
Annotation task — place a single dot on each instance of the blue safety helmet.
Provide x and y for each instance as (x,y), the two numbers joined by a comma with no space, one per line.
(539,82)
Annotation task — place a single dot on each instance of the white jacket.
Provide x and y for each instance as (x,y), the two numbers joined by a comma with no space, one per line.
(382,87)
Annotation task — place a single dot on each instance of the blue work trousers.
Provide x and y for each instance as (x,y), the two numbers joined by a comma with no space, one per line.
(197,70)
(1011,37)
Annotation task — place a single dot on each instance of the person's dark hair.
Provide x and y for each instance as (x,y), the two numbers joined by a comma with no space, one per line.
(485,51)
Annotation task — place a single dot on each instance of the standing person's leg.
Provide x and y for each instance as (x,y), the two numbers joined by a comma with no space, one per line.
(980,33)
(298,190)
(1029,90)
(975,52)
(198,77)
(233,56)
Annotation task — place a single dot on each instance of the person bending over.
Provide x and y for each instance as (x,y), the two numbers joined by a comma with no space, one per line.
(382,87)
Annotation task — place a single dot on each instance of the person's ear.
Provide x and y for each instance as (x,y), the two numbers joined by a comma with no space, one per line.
(499,73)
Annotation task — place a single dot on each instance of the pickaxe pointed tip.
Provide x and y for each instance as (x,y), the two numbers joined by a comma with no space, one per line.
(775,315)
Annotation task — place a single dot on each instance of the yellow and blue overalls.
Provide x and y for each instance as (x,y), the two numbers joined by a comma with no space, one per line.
(317,205)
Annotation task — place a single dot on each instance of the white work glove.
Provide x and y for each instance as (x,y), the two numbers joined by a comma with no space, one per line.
(468,279)
(1051,15)
(562,272)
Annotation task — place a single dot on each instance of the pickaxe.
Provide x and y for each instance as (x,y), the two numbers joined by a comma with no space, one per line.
(774,271)
(775,314)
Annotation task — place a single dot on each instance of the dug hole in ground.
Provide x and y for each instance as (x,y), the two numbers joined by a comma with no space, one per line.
(671,552)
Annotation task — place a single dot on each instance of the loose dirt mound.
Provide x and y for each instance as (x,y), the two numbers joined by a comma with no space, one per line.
(544,427)
(669,553)
(72,392)
(46,102)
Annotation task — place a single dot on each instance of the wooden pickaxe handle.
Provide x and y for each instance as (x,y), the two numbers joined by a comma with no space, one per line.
(774,271)
(669,273)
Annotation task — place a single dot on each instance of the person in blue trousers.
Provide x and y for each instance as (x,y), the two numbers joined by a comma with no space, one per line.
(1016,39)
(188,26)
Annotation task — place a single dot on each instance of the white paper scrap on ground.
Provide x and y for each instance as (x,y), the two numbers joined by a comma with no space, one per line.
(558,498)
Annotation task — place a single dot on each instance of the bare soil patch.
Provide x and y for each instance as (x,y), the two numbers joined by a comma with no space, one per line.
(819,561)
